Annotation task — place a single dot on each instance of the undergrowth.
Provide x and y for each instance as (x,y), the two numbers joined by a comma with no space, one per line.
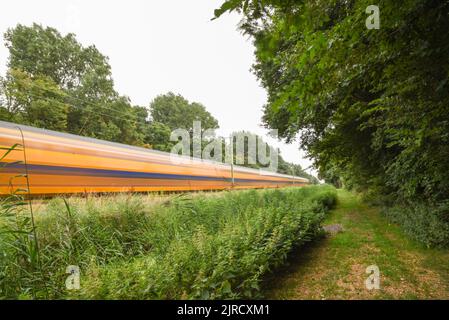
(190,246)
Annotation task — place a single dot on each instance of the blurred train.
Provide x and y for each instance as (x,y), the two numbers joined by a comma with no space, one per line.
(58,163)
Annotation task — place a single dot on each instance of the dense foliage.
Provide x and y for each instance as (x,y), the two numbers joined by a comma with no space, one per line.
(176,112)
(371,106)
(427,224)
(136,246)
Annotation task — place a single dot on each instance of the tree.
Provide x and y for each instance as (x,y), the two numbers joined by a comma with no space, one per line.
(158,136)
(44,51)
(75,87)
(178,113)
(34,101)
(370,106)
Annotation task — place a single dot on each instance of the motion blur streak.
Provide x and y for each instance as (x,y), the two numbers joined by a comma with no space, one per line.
(60,163)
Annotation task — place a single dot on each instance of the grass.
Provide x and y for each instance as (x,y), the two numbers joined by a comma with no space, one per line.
(334,267)
(150,247)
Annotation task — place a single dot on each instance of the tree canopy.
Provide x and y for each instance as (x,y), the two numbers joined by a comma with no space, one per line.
(54,82)
(178,113)
(369,105)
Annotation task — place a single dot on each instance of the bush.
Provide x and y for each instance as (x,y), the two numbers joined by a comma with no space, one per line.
(427,224)
(190,246)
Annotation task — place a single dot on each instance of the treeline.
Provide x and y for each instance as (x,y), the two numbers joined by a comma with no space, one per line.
(371,106)
(53,82)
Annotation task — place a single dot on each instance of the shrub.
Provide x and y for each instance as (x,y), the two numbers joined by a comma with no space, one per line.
(189,246)
(427,224)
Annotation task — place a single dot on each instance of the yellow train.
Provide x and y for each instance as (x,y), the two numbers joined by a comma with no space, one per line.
(58,163)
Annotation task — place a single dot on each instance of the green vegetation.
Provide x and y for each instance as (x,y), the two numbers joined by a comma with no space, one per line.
(334,267)
(158,247)
(429,225)
(18,229)
(370,106)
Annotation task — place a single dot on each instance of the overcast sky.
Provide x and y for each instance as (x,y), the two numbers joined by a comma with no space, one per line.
(159,46)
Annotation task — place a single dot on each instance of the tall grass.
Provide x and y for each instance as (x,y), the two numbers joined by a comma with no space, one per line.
(20,265)
(190,246)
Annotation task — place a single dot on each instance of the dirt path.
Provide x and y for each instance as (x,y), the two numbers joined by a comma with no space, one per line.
(335,267)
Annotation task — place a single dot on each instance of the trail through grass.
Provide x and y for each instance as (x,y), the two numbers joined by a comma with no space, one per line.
(334,268)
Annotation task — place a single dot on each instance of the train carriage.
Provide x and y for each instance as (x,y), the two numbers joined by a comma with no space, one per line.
(58,163)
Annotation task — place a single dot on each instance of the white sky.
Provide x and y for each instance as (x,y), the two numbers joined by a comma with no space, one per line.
(160,46)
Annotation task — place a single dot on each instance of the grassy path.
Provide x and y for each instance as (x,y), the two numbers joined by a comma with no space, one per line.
(334,267)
